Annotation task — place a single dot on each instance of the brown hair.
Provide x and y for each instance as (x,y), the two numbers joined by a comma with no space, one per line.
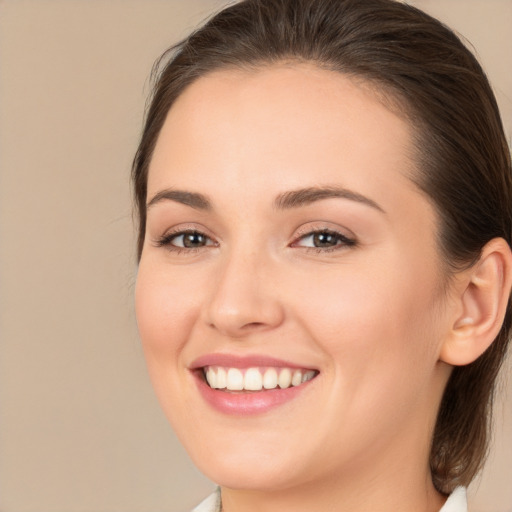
(463,160)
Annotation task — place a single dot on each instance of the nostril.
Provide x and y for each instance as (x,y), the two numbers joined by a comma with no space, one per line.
(252,325)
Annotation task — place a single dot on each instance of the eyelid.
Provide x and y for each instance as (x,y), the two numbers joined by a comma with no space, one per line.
(315,227)
(321,226)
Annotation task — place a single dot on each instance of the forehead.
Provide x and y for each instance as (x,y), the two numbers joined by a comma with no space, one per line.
(288,122)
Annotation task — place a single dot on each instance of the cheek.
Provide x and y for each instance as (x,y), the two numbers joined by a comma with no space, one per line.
(166,305)
(379,332)
(377,322)
(166,308)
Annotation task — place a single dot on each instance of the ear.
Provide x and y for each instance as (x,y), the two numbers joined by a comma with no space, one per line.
(482,295)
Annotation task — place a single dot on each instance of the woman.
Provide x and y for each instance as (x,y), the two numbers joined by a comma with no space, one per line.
(324,196)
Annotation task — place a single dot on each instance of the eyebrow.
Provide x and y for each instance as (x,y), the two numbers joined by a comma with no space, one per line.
(286,200)
(305,196)
(192,199)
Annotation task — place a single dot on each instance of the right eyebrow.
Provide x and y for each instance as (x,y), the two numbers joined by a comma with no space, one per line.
(308,195)
(192,199)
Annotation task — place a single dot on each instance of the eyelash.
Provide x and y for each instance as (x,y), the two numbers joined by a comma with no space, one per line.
(166,241)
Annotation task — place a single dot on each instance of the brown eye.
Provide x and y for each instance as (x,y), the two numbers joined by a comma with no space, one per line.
(190,240)
(324,239)
(182,240)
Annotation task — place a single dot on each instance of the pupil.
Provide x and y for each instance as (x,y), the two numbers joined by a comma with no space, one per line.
(193,239)
(324,239)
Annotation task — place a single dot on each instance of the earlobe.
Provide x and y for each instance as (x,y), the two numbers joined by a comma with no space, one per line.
(482,303)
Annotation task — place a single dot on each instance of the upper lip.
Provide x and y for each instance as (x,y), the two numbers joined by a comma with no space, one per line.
(246,361)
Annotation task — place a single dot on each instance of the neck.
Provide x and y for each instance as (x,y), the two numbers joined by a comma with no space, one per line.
(387,478)
(403,493)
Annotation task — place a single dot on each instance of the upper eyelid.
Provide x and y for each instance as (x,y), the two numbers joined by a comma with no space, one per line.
(308,230)
(188,228)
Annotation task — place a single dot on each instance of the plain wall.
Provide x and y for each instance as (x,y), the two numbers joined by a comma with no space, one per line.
(80,429)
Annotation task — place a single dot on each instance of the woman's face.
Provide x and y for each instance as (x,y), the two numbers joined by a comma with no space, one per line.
(287,249)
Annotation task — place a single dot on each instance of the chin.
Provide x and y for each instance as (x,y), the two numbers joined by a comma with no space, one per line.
(248,476)
(255,469)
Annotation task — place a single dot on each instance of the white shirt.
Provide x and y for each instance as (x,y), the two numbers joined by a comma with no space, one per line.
(456,502)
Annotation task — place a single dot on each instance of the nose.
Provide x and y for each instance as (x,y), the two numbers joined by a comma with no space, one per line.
(244,297)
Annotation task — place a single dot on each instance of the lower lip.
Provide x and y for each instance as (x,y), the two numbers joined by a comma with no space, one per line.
(253,402)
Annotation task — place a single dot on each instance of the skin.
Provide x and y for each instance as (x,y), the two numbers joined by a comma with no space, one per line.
(372,317)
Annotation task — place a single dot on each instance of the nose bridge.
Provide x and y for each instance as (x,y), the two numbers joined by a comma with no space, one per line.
(244,297)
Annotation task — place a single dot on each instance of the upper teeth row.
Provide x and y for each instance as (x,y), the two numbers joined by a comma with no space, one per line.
(255,379)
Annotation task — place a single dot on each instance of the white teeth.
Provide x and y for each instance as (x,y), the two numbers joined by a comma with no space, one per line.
(221,378)
(285,378)
(211,377)
(296,378)
(235,380)
(255,379)
(270,379)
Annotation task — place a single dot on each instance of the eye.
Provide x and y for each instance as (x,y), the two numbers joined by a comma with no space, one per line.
(185,240)
(190,239)
(324,240)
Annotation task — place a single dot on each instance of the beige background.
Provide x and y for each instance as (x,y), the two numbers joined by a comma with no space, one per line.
(80,429)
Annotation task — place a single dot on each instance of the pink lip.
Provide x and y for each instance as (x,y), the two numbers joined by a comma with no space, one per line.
(249,361)
(248,402)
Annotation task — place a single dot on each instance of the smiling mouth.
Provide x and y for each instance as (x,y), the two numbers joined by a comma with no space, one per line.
(255,379)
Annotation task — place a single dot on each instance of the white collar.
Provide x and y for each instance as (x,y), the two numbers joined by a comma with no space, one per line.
(210,504)
(456,502)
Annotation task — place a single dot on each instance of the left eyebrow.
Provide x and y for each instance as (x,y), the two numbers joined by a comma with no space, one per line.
(305,196)
(192,199)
